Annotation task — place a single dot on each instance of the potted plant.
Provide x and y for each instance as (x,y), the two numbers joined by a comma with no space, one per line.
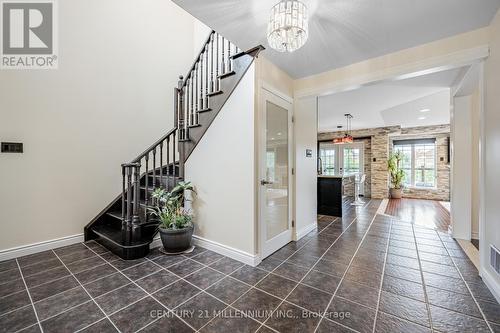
(176,222)
(397,175)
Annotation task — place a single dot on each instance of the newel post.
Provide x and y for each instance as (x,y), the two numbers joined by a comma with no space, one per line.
(182,128)
(136,230)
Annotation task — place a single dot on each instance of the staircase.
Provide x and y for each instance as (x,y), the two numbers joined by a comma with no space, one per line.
(126,226)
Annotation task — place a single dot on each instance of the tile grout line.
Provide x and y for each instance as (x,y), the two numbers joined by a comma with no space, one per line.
(68,309)
(335,241)
(467,285)
(29,295)
(204,290)
(268,273)
(85,284)
(382,277)
(10,311)
(86,291)
(345,273)
(201,290)
(426,298)
(126,306)
(58,267)
(161,268)
(57,279)
(149,294)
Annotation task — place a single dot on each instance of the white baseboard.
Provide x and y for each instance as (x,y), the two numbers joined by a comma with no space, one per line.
(305,230)
(491,283)
(39,247)
(244,257)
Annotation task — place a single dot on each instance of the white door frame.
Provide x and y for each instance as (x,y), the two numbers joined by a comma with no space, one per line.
(267,247)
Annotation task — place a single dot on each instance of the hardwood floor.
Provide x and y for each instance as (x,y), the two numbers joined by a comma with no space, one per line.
(428,213)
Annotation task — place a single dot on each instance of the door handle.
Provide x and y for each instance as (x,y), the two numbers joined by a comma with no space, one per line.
(265,182)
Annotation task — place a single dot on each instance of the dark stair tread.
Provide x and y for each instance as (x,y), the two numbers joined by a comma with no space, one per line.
(117,214)
(204,110)
(194,125)
(237,55)
(223,75)
(115,236)
(217,92)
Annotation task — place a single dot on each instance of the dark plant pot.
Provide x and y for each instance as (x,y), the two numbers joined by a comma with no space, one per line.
(396,193)
(176,240)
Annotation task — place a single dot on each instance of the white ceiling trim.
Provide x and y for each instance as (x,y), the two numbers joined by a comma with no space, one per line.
(431,65)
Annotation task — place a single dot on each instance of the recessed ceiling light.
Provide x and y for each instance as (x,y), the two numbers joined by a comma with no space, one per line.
(272,138)
(425,110)
(279,133)
(421,118)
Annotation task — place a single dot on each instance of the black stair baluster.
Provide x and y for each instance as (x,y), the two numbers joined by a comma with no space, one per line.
(177,107)
(168,163)
(201,83)
(216,63)
(136,230)
(146,199)
(192,96)
(154,168)
(228,55)
(161,164)
(223,64)
(173,155)
(186,112)
(206,77)
(211,62)
(124,193)
(195,91)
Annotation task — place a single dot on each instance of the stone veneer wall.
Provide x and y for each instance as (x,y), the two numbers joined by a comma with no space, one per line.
(376,153)
(378,145)
(441,133)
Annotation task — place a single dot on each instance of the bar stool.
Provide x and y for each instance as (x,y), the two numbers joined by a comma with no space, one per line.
(359,182)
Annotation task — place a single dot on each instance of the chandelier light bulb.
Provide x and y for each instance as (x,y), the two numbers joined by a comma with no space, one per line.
(287,30)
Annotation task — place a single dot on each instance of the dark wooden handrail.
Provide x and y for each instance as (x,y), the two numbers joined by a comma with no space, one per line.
(212,32)
(154,145)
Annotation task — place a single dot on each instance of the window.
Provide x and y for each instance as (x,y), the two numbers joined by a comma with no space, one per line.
(341,158)
(419,162)
(327,155)
(351,160)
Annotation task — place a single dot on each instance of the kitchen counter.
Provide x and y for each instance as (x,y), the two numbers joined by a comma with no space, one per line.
(338,175)
(331,189)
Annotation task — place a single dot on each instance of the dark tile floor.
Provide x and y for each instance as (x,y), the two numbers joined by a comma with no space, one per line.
(362,273)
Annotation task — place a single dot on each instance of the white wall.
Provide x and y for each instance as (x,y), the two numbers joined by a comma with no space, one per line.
(200,35)
(110,98)
(306,137)
(491,123)
(222,168)
(461,167)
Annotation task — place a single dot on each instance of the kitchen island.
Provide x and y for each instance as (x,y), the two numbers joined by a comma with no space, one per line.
(331,189)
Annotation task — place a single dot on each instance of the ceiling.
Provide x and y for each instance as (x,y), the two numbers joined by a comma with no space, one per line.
(394,103)
(342,32)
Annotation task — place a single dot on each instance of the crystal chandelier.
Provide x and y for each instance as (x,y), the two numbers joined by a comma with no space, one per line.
(287,30)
